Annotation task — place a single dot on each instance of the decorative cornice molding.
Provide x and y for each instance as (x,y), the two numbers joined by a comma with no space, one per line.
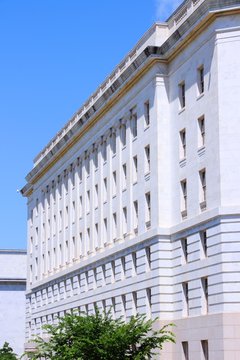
(206,11)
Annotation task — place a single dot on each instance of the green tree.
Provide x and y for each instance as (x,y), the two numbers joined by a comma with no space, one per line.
(100,337)
(6,352)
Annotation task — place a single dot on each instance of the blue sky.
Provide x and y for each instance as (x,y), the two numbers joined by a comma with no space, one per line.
(54,54)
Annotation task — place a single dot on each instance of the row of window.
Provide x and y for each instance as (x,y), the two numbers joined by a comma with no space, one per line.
(85,161)
(201,138)
(112,304)
(204,350)
(185,289)
(202,193)
(200,87)
(204,246)
(105,271)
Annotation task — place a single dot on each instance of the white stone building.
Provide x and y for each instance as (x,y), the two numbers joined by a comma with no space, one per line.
(13,270)
(135,203)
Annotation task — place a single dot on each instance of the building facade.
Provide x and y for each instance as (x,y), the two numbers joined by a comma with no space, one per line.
(13,270)
(134,204)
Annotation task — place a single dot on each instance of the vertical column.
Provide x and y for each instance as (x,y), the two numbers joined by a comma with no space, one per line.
(84,182)
(160,158)
(91,247)
(77,207)
(129,139)
(109,189)
(119,150)
(100,195)
(71,221)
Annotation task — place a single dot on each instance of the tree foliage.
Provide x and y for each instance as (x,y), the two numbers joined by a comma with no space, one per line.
(6,352)
(100,337)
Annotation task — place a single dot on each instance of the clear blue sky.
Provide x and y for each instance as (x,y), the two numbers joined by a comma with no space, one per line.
(54,54)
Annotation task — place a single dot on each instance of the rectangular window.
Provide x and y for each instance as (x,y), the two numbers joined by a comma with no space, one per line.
(87,164)
(124,221)
(149,299)
(147,113)
(123,264)
(134,263)
(124,176)
(104,151)
(182,99)
(203,237)
(80,207)
(114,183)
(201,131)
(184,198)
(182,144)
(95,158)
(88,201)
(205,294)
(105,230)
(147,159)
(133,119)
(135,169)
(134,302)
(81,243)
(66,252)
(124,303)
(205,351)
(31,244)
(185,350)
(113,143)
(73,212)
(66,216)
(80,172)
(200,80)
(74,246)
(96,196)
(105,189)
(148,210)
(202,195)
(88,236)
(184,244)
(123,134)
(113,270)
(148,258)
(113,305)
(114,226)
(135,216)
(185,299)
(96,236)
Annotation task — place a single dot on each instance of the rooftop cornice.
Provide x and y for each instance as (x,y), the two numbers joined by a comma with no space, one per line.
(128,59)
(198,14)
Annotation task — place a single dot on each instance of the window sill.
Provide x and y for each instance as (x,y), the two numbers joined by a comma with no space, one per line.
(134,139)
(184,214)
(148,225)
(182,162)
(201,150)
(203,205)
(147,176)
(200,96)
(147,127)
(180,111)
